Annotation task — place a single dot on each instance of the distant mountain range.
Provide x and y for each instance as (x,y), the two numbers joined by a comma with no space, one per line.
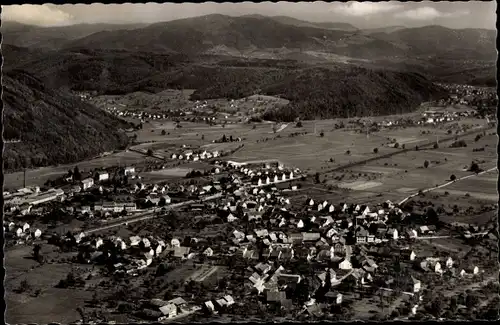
(325,70)
(253,33)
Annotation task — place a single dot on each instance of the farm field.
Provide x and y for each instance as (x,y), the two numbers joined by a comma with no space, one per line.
(51,302)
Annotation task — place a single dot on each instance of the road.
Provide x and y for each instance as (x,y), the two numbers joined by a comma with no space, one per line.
(148,214)
(446,184)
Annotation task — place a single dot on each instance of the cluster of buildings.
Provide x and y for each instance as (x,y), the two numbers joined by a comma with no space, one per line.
(323,248)
(469,95)
(21,233)
(195,156)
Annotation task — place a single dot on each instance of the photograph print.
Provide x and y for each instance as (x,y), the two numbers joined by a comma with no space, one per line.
(250,162)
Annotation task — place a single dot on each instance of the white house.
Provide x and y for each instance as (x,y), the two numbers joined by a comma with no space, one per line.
(449,263)
(392,233)
(169,310)
(26,227)
(175,242)
(345,265)
(87,183)
(208,252)
(416,284)
(135,240)
(37,233)
(103,176)
(231,218)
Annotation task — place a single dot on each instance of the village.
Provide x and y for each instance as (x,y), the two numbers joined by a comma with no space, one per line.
(252,248)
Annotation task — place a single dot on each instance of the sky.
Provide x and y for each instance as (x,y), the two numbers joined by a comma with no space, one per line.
(468,14)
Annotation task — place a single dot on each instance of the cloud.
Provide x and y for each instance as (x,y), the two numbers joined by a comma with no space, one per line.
(428,13)
(41,15)
(358,9)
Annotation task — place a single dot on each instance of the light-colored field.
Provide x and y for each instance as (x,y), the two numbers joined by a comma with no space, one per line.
(360,185)
(175,172)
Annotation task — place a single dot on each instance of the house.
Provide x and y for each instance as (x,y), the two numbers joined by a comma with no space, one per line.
(424,230)
(361,235)
(345,264)
(181,251)
(411,233)
(26,227)
(102,176)
(229,300)
(310,236)
(431,265)
(209,306)
(231,218)
(208,252)
(295,237)
(334,297)
(129,170)
(169,310)
(275,296)
(87,183)
(392,233)
(415,285)
(407,255)
(473,270)
(263,268)
(314,310)
(37,233)
(449,263)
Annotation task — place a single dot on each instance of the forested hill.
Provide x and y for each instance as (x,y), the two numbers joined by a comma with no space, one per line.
(53,127)
(323,93)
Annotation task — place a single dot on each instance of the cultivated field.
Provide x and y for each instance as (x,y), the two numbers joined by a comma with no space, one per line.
(52,304)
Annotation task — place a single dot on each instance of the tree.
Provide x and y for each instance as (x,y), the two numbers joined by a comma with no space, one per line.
(474,167)
(453,177)
(150,152)
(23,286)
(471,300)
(375,150)
(403,146)
(224,139)
(76,174)
(299,124)
(230,138)
(36,253)
(416,148)
(322,134)
(348,152)
(316,178)
(426,163)
(436,145)
(163,132)
(396,145)
(203,137)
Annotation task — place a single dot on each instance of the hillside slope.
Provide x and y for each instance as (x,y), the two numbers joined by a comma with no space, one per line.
(252,35)
(23,35)
(321,93)
(53,127)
